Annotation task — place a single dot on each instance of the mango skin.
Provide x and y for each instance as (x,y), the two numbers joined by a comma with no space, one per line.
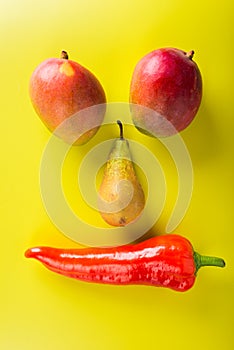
(168,82)
(59,88)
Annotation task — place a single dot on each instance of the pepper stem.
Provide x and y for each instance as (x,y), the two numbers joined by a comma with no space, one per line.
(203,260)
(120,129)
(64,55)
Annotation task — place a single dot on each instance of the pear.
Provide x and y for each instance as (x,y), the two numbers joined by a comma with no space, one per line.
(121,199)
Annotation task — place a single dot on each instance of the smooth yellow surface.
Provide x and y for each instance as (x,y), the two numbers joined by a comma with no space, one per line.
(42,310)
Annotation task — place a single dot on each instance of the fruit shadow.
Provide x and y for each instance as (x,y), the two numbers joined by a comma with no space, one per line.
(202,137)
(203,142)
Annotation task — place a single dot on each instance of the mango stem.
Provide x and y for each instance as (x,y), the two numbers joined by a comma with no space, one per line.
(190,54)
(64,55)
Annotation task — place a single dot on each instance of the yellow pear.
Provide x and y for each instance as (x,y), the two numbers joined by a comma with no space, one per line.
(121,199)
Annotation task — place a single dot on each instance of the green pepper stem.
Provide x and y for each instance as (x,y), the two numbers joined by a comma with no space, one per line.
(203,260)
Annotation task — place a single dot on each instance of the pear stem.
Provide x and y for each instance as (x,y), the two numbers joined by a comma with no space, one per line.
(120,129)
(64,55)
(190,54)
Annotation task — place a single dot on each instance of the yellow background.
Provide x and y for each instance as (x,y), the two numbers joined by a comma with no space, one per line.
(42,310)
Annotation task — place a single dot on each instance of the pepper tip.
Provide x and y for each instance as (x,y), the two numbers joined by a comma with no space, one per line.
(31,252)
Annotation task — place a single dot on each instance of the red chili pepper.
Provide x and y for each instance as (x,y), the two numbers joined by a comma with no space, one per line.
(167,261)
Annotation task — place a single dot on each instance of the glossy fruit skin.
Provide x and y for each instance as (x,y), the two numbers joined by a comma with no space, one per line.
(165,261)
(168,82)
(59,88)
